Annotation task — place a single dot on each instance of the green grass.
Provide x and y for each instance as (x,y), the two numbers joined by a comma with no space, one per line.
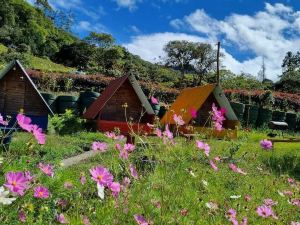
(167,182)
(46,65)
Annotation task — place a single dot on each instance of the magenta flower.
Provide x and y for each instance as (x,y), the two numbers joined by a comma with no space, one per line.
(28,176)
(38,134)
(140,220)
(295,202)
(16,182)
(61,219)
(123,154)
(112,135)
(291,180)
(85,220)
(129,147)
(178,120)
(244,221)
(203,146)
(295,223)
(264,211)
(213,165)
(101,175)
(68,185)
(269,202)
(247,198)
(158,133)
(231,213)
(46,169)
(133,172)
(193,112)
(2,121)
(99,146)
(24,122)
(266,144)
(235,169)
(218,116)
(41,192)
(22,216)
(154,100)
(167,133)
(115,187)
(118,147)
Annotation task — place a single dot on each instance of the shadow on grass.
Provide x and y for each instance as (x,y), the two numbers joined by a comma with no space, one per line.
(284,164)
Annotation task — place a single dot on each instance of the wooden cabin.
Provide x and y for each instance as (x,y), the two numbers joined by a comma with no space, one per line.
(19,93)
(109,113)
(201,99)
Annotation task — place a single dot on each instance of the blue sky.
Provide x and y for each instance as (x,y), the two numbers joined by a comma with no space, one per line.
(249,30)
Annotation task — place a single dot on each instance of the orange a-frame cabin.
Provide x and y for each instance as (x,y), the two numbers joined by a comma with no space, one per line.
(201,100)
(108,110)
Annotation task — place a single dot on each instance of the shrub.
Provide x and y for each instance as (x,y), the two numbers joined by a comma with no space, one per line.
(67,123)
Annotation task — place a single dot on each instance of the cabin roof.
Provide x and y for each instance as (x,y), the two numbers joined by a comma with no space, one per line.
(194,98)
(110,90)
(16,63)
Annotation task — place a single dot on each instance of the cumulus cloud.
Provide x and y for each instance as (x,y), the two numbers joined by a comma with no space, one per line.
(130,4)
(269,33)
(87,26)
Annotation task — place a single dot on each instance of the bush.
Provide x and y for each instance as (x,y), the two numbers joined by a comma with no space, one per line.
(67,123)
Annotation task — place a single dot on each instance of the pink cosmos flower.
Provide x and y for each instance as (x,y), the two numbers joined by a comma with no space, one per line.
(16,182)
(295,202)
(28,176)
(85,220)
(231,213)
(266,144)
(22,216)
(295,223)
(41,192)
(213,165)
(38,134)
(112,135)
(178,120)
(24,122)
(118,147)
(123,154)
(234,168)
(158,133)
(115,187)
(217,159)
(244,221)
(133,172)
(101,175)
(2,121)
(269,202)
(288,193)
(193,112)
(61,219)
(46,169)
(203,146)
(129,147)
(167,133)
(291,180)
(82,178)
(154,100)
(264,211)
(218,116)
(99,146)
(140,220)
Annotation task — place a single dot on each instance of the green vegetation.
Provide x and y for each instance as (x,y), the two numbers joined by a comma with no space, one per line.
(171,189)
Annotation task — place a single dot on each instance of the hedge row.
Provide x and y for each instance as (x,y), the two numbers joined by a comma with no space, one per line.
(254,116)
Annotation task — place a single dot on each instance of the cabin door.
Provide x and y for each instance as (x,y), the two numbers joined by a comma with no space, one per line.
(14,93)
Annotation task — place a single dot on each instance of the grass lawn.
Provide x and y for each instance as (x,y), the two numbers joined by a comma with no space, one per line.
(175,184)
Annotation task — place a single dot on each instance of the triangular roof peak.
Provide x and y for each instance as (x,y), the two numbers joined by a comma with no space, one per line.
(194,98)
(110,90)
(16,63)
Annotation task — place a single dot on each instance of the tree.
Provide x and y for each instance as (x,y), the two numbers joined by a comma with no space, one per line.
(180,54)
(101,40)
(205,58)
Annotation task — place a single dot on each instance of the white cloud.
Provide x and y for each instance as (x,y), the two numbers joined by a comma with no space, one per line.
(87,26)
(269,33)
(130,4)
(150,47)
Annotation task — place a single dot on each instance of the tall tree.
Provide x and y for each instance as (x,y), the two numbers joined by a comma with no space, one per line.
(205,58)
(180,54)
(101,40)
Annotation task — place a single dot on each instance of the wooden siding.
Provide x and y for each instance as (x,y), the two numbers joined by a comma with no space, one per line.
(113,110)
(16,93)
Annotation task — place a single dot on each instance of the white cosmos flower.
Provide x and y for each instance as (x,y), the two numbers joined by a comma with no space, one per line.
(235,196)
(204,182)
(3,197)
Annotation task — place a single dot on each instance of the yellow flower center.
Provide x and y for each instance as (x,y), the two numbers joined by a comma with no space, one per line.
(14,183)
(40,193)
(100,177)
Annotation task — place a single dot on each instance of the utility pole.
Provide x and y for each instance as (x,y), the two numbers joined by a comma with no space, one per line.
(218,63)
